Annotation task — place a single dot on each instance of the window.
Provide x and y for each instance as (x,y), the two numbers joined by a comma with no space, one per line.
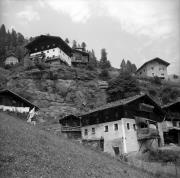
(152,68)
(128,127)
(162,74)
(115,126)
(106,128)
(134,126)
(86,132)
(93,130)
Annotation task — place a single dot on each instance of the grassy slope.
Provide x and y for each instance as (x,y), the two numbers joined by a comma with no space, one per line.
(26,151)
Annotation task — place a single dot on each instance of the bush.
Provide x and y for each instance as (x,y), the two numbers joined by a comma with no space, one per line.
(157,80)
(152,92)
(28,64)
(104,74)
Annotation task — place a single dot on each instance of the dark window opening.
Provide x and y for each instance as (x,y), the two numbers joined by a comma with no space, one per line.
(134,126)
(115,126)
(85,132)
(128,126)
(93,130)
(106,128)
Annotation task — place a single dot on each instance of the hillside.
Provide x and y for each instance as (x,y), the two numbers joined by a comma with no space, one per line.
(62,90)
(26,151)
(58,91)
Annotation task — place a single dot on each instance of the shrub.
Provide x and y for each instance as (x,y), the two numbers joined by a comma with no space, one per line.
(104,74)
(157,80)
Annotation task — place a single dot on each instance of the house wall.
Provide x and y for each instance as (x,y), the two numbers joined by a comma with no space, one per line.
(125,139)
(54,53)
(11,60)
(154,69)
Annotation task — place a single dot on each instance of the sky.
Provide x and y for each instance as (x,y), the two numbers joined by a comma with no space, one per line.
(135,30)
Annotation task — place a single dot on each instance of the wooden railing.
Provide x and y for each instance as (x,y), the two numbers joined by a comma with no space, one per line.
(70,129)
(147,133)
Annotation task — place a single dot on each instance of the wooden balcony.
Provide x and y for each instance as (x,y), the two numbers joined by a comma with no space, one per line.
(79,60)
(70,129)
(147,133)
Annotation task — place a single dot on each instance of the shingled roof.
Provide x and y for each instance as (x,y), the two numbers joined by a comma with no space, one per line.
(65,47)
(120,103)
(19,97)
(154,60)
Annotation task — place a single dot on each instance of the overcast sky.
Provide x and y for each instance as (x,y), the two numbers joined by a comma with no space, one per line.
(136,30)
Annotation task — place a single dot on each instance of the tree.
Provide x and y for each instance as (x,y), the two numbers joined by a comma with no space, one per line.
(74,44)
(127,67)
(123,86)
(20,39)
(83,45)
(67,40)
(14,37)
(104,63)
(92,60)
(123,66)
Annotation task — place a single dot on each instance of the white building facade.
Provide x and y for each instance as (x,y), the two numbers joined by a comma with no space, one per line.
(120,133)
(11,60)
(50,48)
(155,67)
(54,53)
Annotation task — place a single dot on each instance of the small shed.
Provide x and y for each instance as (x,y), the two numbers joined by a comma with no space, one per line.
(11,59)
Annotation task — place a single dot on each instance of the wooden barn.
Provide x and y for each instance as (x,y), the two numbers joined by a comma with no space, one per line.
(14,102)
(80,57)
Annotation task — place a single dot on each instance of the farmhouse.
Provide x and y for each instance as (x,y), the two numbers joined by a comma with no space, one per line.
(51,49)
(79,57)
(13,102)
(171,124)
(124,126)
(11,59)
(154,67)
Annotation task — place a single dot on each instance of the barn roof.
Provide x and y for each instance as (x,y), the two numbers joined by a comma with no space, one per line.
(121,102)
(11,54)
(19,97)
(154,60)
(174,105)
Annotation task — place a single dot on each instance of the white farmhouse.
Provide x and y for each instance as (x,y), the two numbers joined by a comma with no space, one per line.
(124,126)
(155,67)
(51,48)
